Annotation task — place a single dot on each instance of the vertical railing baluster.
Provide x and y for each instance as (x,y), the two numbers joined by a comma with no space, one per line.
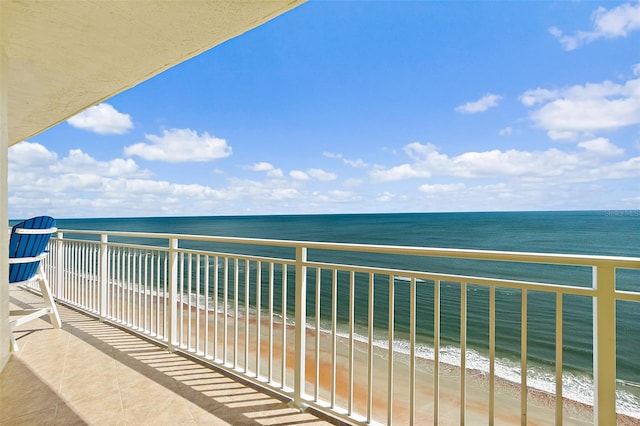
(172,332)
(165,295)
(523,358)
(140,289)
(370,348)
(236,272)
(300,326)
(76,261)
(283,370)
(60,265)
(270,359)
(391,328)
(258,315)
(78,274)
(559,405)
(118,284)
(352,292)
(159,302)
(216,281)
(129,289)
(492,353)
(463,352)
(436,352)
(334,320)
(111,282)
(225,300)
(147,292)
(206,306)
(412,344)
(152,305)
(198,298)
(188,301)
(180,301)
(246,314)
(316,390)
(104,275)
(604,345)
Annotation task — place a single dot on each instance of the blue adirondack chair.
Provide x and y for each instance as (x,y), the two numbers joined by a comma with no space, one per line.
(27,247)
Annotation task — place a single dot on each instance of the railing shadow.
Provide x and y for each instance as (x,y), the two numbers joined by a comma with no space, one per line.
(228,398)
(217,393)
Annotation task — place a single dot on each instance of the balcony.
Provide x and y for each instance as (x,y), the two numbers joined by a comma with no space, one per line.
(348,331)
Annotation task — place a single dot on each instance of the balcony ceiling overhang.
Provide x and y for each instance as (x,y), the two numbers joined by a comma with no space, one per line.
(65,56)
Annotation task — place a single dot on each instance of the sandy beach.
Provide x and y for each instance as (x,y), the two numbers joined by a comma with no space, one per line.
(540,405)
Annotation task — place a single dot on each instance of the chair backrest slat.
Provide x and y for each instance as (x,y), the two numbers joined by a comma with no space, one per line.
(28,245)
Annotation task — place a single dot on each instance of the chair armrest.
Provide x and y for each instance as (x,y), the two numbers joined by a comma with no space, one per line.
(27,259)
(36,231)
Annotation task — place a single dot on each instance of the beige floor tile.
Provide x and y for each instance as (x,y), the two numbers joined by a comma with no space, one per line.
(82,386)
(35,418)
(23,393)
(98,408)
(168,410)
(66,416)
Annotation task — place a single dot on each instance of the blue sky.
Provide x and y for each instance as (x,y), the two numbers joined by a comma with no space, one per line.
(363,106)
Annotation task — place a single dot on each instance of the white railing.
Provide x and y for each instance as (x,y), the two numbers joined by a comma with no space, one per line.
(310,327)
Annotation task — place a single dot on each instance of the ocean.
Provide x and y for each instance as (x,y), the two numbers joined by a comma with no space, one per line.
(611,233)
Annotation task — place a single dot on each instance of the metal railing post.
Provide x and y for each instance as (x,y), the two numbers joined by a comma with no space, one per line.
(172,317)
(604,345)
(104,275)
(300,328)
(59,266)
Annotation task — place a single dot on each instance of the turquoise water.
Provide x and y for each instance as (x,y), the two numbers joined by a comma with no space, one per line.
(597,233)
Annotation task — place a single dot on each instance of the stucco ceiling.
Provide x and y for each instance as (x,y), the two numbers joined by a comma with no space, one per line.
(65,56)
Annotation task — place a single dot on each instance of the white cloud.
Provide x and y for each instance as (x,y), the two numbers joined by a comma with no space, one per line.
(358,164)
(601,146)
(536,96)
(353,182)
(511,164)
(102,119)
(299,175)
(271,171)
(25,154)
(321,175)
(78,185)
(442,188)
(80,162)
(385,197)
(505,131)
(317,174)
(180,145)
(566,113)
(41,181)
(613,23)
(636,69)
(484,103)
(334,195)
(261,167)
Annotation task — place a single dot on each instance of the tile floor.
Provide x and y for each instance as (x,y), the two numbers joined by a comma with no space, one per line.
(93,373)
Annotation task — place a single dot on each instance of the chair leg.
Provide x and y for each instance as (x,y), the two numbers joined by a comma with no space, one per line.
(48,299)
(13,344)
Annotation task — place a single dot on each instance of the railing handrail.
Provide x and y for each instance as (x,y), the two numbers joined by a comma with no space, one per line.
(474,254)
(603,292)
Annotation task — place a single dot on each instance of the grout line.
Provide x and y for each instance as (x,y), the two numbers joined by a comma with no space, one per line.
(64,369)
